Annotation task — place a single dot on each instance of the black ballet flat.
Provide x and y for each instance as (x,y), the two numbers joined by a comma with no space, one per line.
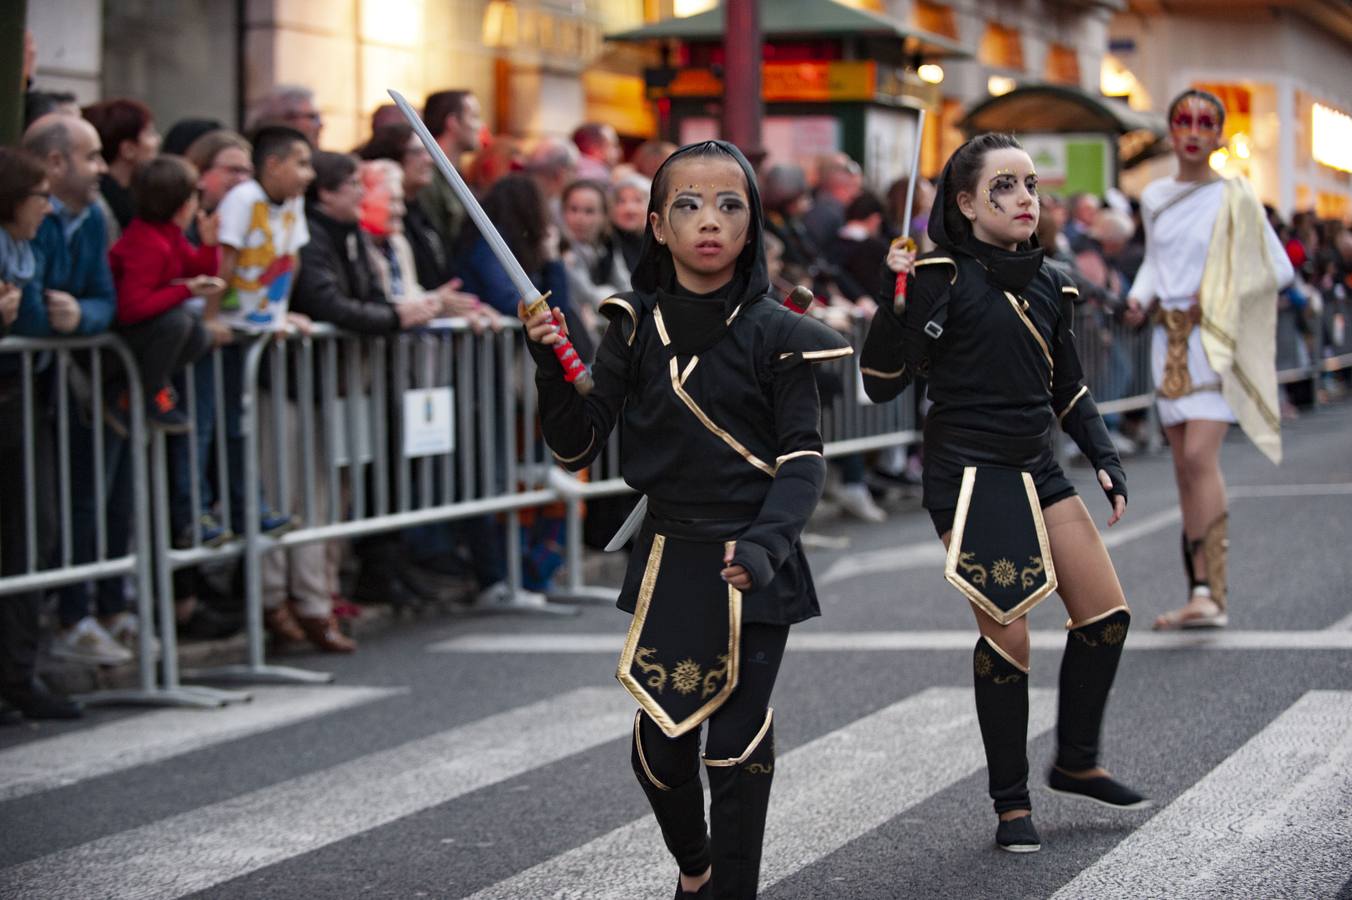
(1102,790)
(705,892)
(1018,835)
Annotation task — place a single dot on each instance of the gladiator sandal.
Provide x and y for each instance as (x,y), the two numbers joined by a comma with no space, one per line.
(1093,649)
(679,811)
(740,797)
(1216,544)
(1002,711)
(1208,593)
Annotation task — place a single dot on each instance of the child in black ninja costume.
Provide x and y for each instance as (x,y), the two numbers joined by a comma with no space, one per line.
(710,379)
(988,323)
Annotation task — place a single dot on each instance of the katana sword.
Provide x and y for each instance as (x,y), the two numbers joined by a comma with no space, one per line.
(899,293)
(574,370)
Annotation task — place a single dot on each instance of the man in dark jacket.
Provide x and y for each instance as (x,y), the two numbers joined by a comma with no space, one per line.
(338,283)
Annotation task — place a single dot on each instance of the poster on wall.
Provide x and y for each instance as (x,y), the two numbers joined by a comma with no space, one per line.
(1071,163)
(889,142)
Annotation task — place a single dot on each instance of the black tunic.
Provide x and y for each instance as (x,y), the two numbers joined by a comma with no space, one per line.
(718,415)
(1000,375)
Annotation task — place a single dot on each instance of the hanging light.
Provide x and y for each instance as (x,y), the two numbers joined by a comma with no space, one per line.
(931,73)
(1218,159)
(999,85)
(1241,145)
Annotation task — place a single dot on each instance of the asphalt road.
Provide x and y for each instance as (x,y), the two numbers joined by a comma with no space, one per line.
(488,757)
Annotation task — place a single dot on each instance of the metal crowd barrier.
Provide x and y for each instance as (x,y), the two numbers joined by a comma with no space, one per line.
(354,436)
(61,384)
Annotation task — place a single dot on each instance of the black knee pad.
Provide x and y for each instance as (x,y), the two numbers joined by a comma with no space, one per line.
(1001,689)
(1088,669)
(666,762)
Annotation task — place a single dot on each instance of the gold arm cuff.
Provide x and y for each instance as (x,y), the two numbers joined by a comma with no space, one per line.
(750,748)
(1007,658)
(1098,618)
(780,460)
(1060,417)
(865,370)
(572,459)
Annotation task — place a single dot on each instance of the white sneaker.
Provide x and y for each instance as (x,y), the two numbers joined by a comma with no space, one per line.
(855,500)
(88,643)
(501,596)
(126,630)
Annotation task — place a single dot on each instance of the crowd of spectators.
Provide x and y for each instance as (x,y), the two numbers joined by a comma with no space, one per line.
(181,244)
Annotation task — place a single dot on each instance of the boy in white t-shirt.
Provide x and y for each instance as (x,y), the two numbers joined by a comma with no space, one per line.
(262,228)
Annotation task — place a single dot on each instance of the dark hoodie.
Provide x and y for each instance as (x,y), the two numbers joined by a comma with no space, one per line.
(718,414)
(1003,367)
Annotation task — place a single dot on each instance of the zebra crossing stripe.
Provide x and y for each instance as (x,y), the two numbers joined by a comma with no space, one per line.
(809,640)
(155,736)
(844,783)
(205,847)
(1284,795)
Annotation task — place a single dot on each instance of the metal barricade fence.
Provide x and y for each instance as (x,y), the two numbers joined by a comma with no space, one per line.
(58,388)
(356,436)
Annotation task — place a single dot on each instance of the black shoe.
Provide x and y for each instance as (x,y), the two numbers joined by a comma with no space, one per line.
(206,624)
(390,591)
(705,891)
(1102,790)
(36,702)
(1018,835)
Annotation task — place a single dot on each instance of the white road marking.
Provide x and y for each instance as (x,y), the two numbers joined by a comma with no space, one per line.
(827,793)
(924,554)
(208,846)
(154,736)
(1282,797)
(834,641)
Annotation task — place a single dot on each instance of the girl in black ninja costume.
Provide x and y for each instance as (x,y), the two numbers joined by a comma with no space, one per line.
(710,380)
(988,322)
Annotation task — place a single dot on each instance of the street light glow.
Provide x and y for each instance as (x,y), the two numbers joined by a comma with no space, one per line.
(930,73)
(998,85)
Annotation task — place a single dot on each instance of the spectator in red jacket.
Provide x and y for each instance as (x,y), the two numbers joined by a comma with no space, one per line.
(156,270)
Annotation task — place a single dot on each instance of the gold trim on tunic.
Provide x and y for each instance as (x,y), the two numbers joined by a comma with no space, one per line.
(780,460)
(572,459)
(1032,329)
(1069,289)
(671,728)
(936,260)
(818,355)
(865,370)
(629,309)
(750,748)
(1061,416)
(972,593)
(689,367)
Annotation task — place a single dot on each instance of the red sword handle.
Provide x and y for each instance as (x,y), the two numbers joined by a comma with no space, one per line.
(899,292)
(574,370)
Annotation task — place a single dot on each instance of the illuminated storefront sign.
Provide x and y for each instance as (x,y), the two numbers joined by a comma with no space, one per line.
(1331,137)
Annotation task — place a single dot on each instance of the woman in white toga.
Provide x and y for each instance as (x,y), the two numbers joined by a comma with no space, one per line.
(1209,285)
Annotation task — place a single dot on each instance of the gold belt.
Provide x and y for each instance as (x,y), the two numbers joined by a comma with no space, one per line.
(1178,325)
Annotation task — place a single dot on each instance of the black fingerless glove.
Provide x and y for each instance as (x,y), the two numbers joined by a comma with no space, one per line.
(1086,427)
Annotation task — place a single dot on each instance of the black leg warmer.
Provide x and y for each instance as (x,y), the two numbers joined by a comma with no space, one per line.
(740,790)
(1002,711)
(1087,672)
(679,808)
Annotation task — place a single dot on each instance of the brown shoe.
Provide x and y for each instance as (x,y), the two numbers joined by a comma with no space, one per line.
(323,633)
(282,625)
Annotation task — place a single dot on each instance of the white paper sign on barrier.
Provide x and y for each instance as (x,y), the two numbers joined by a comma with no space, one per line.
(428,421)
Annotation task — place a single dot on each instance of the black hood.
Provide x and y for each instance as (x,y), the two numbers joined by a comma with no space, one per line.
(654,270)
(1009,269)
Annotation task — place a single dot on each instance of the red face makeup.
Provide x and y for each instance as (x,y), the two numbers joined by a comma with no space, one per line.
(1195,128)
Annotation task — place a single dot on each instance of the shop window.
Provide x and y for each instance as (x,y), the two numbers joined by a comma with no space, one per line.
(1001,48)
(1063,65)
(934,18)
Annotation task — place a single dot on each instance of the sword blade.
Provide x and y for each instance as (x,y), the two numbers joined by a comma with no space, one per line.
(915,171)
(520,280)
(630,526)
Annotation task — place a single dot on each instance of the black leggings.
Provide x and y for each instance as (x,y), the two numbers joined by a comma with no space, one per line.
(735,724)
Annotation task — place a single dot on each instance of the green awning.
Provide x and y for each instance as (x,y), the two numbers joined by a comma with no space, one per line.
(1063,109)
(800,18)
